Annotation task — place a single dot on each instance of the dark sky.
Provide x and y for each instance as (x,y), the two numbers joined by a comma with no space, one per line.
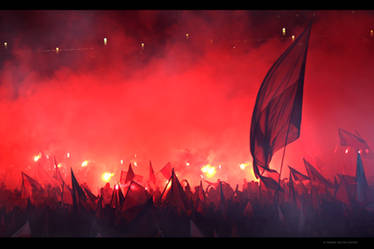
(177,93)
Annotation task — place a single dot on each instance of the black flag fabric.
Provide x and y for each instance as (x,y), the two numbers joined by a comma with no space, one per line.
(77,192)
(362,185)
(276,116)
(30,187)
(315,176)
(297,175)
(355,141)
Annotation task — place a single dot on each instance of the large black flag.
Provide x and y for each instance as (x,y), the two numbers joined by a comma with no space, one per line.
(276,116)
(76,191)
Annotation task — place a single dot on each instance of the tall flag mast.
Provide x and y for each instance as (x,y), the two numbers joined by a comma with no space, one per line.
(276,116)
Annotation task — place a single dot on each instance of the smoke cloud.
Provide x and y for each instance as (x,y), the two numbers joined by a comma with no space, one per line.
(187,94)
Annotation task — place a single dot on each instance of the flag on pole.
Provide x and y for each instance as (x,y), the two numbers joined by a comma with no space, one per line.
(362,185)
(276,116)
(175,195)
(270,183)
(315,176)
(117,198)
(355,141)
(130,175)
(151,176)
(166,170)
(297,175)
(77,192)
(30,187)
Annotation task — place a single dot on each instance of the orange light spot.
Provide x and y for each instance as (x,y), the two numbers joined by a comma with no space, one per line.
(37,157)
(84,163)
(209,170)
(106,176)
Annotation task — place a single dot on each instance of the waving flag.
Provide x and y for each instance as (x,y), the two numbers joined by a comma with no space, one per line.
(166,170)
(362,185)
(315,176)
(77,192)
(135,196)
(276,116)
(297,175)
(117,198)
(151,176)
(355,141)
(270,183)
(130,174)
(175,195)
(30,187)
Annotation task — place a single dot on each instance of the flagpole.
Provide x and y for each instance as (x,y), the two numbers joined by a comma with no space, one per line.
(165,188)
(284,152)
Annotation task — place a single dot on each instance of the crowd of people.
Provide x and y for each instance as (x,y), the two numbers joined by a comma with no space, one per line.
(295,208)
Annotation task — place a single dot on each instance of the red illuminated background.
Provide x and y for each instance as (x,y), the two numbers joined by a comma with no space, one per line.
(175,86)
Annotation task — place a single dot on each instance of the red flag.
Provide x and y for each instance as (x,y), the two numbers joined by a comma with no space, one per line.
(166,170)
(117,197)
(135,196)
(30,187)
(66,196)
(270,183)
(175,195)
(342,193)
(315,176)
(291,189)
(130,175)
(151,176)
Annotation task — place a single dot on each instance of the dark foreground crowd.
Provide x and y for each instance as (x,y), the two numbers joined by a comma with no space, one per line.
(302,209)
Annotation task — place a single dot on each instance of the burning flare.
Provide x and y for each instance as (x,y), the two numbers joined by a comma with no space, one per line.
(37,157)
(106,176)
(84,163)
(209,170)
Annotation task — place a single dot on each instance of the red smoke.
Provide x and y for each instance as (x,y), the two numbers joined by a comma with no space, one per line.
(180,92)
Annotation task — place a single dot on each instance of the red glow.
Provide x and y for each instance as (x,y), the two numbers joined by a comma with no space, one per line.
(177,93)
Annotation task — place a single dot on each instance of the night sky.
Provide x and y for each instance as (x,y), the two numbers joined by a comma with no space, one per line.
(186,95)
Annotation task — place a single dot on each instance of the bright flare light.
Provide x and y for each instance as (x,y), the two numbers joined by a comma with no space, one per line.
(37,157)
(283,31)
(209,170)
(84,163)
(346,151)
(187,164)
(121,161)
(59,165)
(105,41)
(68,155)
(106,176)
(243,165)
